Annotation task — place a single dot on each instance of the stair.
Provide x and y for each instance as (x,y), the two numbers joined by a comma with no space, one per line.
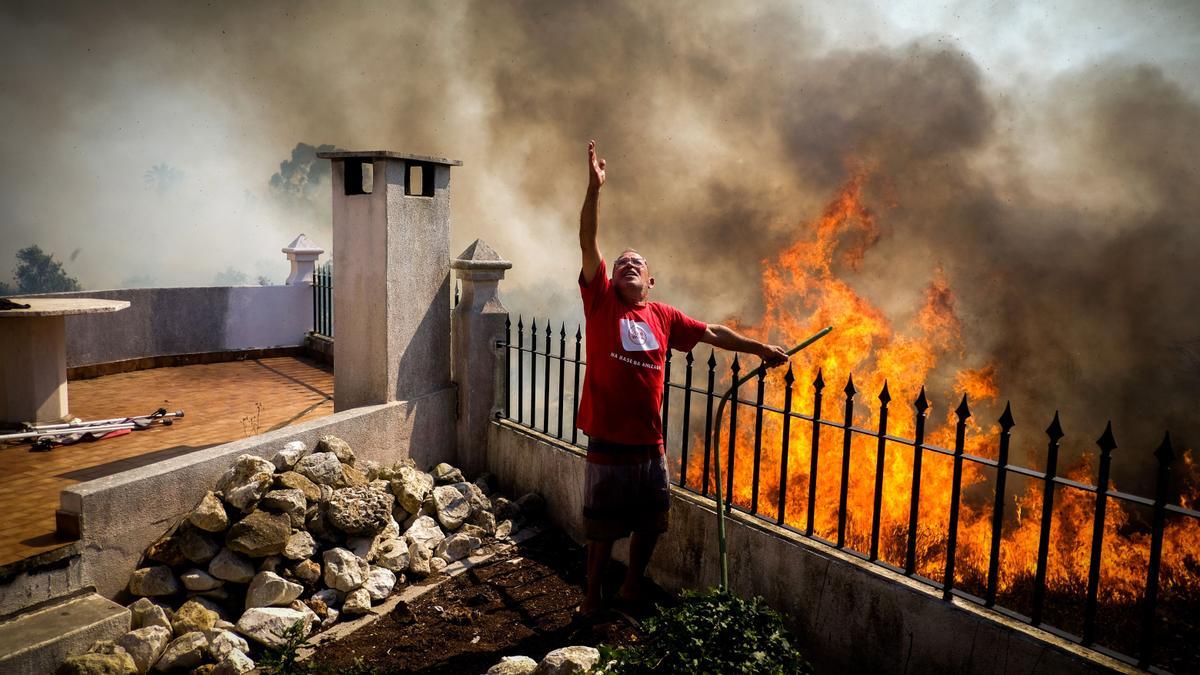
(36,642)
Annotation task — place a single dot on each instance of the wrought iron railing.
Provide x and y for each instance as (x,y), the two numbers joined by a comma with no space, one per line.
(531,366)
(323,300)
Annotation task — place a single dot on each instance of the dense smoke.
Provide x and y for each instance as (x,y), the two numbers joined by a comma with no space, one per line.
(1062,208)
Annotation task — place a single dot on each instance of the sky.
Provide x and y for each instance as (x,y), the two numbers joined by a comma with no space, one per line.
(1041,155)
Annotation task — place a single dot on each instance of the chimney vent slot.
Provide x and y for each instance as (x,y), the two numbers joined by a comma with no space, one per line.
(360,177)
(418,179)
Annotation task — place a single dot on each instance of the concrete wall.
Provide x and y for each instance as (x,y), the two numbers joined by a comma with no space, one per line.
(120,515)
(163,321)
(850,616)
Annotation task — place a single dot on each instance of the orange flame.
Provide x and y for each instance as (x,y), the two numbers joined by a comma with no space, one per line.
(802,293)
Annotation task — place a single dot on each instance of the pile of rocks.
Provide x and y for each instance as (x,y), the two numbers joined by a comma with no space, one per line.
(304,538)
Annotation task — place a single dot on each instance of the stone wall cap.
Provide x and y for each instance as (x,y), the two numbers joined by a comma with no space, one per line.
(302,244)
(480,256)
(387,154)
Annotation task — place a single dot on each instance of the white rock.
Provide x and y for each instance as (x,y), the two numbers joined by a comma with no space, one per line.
(222,624)
(143,613)
(330,596)
(304,609)
(243,468)
(271,590)
(379,583)
(452,506)
(235,663)
(331,617)
(267,625)
(361,546)
(504,530)
(513,665)
(231,566)
(243,497)
(436,565)
(209,515)
(411,487)
(287,457)
(456,547)
(183,653)
(419,558)
(299,546)
(393,555)
(474,496)
(322,468)
(286,500)
(152,581)
(569,660)
(424,531)
(145,645)
(344,570)
(357,602)
(223,641)
(199,580)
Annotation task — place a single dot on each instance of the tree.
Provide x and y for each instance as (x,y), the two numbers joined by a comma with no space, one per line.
(231,277)
(38,272)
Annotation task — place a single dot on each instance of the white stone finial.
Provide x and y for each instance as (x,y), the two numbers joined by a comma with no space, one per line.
(303,254)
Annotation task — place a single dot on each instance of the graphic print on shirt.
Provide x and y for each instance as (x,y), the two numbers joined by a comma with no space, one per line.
(636,336)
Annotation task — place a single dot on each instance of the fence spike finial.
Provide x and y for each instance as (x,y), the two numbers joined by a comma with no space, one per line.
(1006,420)
(712,358)
(1055,431)
(819,383)
(963,410)
(850,390)
(736,367)
(520,322)
(562,332)
(1165,452)
(885,396)
(1107,441)
(922,403)
(578,332)
(788,377)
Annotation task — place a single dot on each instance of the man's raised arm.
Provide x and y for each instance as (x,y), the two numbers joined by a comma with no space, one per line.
(589,216)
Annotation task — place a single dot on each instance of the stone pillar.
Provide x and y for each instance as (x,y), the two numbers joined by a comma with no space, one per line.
(302,253)
(478,326)
(391,293)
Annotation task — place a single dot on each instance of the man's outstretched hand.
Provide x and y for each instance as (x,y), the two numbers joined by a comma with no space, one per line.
(773,355)
(595,168)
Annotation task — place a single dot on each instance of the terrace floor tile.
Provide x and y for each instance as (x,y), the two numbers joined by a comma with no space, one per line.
(222,402)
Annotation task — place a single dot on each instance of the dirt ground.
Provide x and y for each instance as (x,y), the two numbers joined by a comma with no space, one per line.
(520,602)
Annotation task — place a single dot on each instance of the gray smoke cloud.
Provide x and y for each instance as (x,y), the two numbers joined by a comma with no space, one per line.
(1049,170)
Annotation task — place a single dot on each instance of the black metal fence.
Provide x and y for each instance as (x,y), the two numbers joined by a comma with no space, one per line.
(323,300)
(540,369)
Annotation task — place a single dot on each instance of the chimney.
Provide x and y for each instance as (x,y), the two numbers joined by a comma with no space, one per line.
(391,290)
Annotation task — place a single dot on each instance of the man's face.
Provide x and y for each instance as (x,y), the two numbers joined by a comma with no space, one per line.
(631,274)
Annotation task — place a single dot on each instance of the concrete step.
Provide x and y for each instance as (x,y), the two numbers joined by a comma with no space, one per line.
(36,642)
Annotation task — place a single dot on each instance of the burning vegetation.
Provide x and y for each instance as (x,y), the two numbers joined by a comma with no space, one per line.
(888,366)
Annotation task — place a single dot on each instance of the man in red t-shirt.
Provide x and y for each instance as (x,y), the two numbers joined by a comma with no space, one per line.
(627,491)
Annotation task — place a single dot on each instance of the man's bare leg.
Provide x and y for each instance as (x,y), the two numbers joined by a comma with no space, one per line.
(598,555)
(641,547)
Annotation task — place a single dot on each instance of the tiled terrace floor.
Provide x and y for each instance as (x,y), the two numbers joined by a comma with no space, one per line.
(222,402)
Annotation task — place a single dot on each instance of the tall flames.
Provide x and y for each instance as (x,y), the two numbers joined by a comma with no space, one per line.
(803,293)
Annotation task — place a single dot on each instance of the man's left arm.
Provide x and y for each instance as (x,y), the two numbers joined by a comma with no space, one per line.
(727,338)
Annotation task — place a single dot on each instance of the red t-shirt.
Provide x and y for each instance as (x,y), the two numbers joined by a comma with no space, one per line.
(626,350)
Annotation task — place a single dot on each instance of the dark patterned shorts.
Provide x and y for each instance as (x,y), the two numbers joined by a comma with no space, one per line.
(627,490)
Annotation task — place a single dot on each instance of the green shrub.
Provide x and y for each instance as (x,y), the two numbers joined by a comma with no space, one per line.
(712,632)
